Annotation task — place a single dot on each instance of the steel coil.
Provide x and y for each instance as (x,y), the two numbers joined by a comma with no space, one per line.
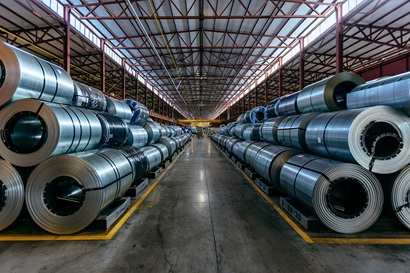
(88,97)
(392,91)
(163,131)
(269,161)
(240,149)
(286,105)
(254,115)
(247,133)
(153,156)
(397,191)
(328,94)
(346,197)
(162,149)
(176,129)
(139,162)
(178,141)
(256,134)
(23,75)
(291,131)
(32,131)
(377,138)
(11,194)
(271,111)
(269,130)
(251,151)
(114,131)
(170,143)
(230,129)
(139,111)
(153,131)
(241,118)
(137,136)
(119,109)
(65,194)
(231,142)
(240,128)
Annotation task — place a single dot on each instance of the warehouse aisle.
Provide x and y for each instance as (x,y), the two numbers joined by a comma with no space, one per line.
(202,217)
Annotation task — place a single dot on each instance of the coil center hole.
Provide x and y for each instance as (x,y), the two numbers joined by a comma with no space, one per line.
(3,195)
(381,140)
(347,198)
(2,73)
(63,196)
(25,133)
(340,93)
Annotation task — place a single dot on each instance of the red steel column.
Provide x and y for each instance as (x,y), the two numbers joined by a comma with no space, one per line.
(124,80)
(301,64)
(280,78)
(339,38)
(67,40)
(266,88)
(136,89)
(102,66)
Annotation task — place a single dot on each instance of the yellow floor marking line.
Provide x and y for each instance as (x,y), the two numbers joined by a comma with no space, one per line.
(303,234)
(92,237)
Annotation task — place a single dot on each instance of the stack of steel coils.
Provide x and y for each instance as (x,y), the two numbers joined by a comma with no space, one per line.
(55,135)
(314,122)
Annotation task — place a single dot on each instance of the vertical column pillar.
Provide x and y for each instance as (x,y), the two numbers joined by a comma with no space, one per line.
(67,40)
(146,96)
(302,64)
(339,38)
(266,89)
(280,83)
(102,66)
(124,80)
(249,100)
(136,88)
(256,96)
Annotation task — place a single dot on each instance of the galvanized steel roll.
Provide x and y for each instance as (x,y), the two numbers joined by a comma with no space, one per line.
(231,142)
(291,131)
(256,134)
(162,149)
(140,112)
(114,131)
(88,97)
(153,156)
(240,128)
(254,115)
(11,194)
(286,105)
(177,130)
(392,91)
(346,197)
(241,118)
(137,136)
(271,108)
(399,196)
(328,94)
(240,149)
(119,108)
(65,194)
(269,130)
(153,131)
(251,152)
(247,133)
(23,75)
(170,143)
(269,161)
(378,138)
(179,143)
(139,162)
(33,131)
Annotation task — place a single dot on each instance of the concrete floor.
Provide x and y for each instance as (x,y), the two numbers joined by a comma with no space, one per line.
(202,217)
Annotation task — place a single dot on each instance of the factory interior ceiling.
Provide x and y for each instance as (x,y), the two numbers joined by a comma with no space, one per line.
(202,57)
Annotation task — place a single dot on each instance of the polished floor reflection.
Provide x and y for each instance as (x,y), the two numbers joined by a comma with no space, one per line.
(203,217)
